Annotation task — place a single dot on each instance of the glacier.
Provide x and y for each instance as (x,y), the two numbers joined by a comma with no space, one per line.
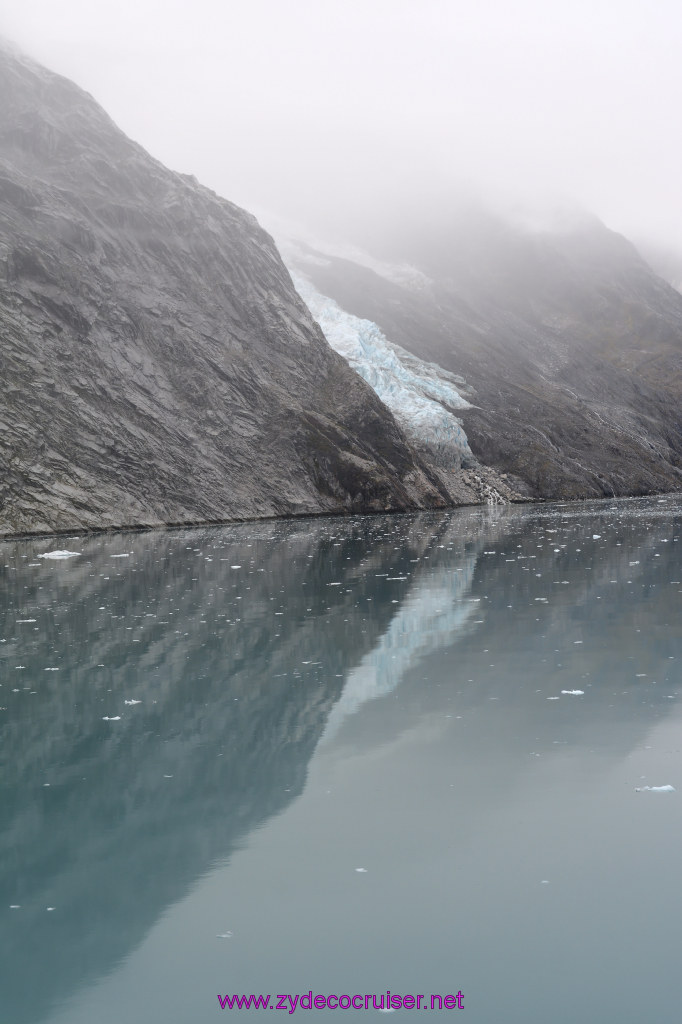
(421,395)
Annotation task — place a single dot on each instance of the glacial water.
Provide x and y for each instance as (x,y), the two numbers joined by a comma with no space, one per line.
(345,756)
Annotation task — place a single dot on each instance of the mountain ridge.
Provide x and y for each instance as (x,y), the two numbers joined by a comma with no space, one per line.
(159,366)
(570,342)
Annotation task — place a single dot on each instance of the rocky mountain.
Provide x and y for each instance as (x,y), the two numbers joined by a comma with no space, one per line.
(665,260)
(157,364)
(569,343)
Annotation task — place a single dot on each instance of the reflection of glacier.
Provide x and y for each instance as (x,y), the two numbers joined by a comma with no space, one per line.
(417,393)
(430,618)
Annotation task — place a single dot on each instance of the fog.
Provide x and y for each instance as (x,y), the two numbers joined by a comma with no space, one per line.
(324,112)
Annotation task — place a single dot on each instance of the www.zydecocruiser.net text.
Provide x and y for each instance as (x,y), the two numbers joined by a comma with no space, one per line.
(307,1001)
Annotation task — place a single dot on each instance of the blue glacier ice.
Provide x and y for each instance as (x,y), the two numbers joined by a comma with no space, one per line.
(421,395)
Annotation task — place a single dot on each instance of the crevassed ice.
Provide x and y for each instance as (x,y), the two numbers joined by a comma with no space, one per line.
(412,390)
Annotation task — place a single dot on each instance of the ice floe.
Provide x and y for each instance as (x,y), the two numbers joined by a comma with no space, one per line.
(59,554)
(655,789)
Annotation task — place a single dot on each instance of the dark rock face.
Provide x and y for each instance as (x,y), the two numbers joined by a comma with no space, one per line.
(571,343)
(157,364)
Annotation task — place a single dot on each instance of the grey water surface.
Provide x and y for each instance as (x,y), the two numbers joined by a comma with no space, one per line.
(345,756)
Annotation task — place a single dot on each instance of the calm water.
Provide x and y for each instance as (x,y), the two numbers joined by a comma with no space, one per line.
(324,696)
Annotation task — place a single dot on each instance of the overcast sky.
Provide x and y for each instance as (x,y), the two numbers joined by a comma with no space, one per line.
(315,108)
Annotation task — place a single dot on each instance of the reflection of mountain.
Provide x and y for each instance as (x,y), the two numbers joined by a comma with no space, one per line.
(554,608)
(239,644)
(432,616)
(230,708)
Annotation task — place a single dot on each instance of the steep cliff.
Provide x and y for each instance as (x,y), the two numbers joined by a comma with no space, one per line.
(157,364)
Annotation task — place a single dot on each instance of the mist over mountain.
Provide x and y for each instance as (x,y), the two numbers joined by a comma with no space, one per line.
(158,366)
(570,343)
(666,260)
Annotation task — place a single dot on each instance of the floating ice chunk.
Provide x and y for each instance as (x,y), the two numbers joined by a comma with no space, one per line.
(574,693)
(596,536)
(26,620)
(545,881)
(60,554)
(235,567)
(655,789)
(126,555)
(361,871)
(168,776)
(224,935)
(15,906)
(50,908)
(553,698)
(385,1009)
(52,670)
(132,701)
(116,718)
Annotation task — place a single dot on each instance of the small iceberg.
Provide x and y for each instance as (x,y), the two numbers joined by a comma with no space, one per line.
(574,693)
(655,789)
(106,718)
(60,554)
